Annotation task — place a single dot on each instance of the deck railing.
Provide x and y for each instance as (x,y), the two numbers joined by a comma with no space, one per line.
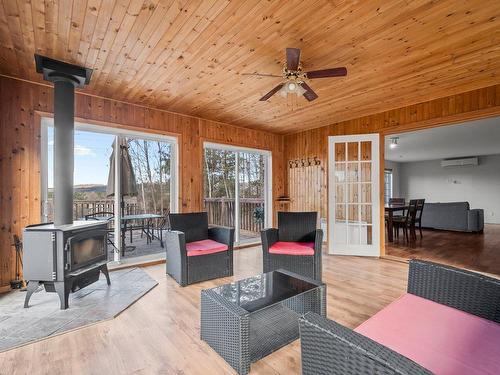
(85,207)
(221,211)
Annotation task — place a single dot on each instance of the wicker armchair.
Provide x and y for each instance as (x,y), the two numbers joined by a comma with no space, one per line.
(196,252)
(295,245)
(330,348)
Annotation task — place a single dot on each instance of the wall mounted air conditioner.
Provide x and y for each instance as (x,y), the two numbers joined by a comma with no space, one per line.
(459,162)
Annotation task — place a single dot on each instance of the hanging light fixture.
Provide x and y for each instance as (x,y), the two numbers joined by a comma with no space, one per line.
(394,142)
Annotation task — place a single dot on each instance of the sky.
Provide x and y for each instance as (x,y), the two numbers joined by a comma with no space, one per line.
(92,152)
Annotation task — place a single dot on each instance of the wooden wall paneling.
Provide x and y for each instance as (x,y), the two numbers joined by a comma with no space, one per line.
(23,104)
(307,185)
(453,109)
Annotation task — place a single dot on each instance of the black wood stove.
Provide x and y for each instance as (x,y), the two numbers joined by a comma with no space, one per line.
(64,256)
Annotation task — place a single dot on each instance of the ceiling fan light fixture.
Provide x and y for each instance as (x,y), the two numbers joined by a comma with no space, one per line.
(292,87)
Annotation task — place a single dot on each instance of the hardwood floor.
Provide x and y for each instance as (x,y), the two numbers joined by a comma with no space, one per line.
(160,333)
(475,251)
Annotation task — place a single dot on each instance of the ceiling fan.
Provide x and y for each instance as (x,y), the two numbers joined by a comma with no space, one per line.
(294,78)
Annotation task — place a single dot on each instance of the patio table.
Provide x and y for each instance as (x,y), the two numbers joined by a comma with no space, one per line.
(147,228)
(249,319)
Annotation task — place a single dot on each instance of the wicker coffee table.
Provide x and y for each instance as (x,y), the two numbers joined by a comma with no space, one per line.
(246,320)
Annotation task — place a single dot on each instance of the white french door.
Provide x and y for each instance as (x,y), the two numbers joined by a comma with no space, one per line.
(353,195)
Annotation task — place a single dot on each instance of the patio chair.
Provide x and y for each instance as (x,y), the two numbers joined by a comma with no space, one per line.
(196,252)
(105,215)
(295,245)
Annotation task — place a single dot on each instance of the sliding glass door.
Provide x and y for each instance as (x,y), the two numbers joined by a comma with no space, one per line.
(219,186)
(236,189)
(252,195)
(137,200)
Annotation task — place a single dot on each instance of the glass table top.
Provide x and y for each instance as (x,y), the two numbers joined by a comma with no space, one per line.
(257,292)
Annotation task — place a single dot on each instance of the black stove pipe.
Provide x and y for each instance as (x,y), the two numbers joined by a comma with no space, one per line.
(65,78)
(64,129)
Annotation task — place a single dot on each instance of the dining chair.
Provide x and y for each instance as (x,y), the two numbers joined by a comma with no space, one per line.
(407,222)
(418,218)
(395,201)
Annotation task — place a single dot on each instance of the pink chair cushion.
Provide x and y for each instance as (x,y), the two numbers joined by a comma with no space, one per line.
(441,339)
(292,248)
(204,247)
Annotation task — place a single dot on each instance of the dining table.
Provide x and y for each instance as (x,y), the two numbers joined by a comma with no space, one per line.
(389,210)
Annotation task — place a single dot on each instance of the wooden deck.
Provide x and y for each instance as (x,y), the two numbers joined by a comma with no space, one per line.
(160,333)
(140,250)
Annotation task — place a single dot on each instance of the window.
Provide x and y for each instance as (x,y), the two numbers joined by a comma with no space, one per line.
(387,185)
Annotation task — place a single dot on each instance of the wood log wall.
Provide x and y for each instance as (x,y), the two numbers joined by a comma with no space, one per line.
(313,143)
(23,102)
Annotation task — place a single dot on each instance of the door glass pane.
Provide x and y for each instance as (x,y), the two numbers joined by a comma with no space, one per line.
(352,172)
(340,214)
(366,193)
(339,172)
(252,195)
(219,186)
(340,154)
(340,193)
(92,153)
(353,213)
(151,165)
(366,172)
(366,150)
(366,214)
(353,193)
(353,151)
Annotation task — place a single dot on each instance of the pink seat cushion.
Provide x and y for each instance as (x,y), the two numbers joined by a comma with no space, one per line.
(292,248)
(441,339)
(204,247)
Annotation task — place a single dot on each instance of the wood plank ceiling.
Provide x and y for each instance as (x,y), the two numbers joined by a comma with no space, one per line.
(187,56)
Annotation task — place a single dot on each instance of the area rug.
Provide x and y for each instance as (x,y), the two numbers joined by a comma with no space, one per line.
(94,303)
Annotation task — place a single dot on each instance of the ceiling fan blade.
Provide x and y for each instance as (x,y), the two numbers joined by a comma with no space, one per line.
(324,73)
(261,75)
(292,58)
(309,94)
(271,93)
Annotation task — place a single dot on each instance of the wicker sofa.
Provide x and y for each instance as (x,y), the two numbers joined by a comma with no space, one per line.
(295,245)
(196,252)
(330,348)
